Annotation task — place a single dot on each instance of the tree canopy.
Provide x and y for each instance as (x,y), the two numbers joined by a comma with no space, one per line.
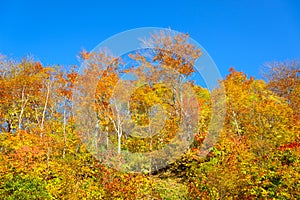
(128,114)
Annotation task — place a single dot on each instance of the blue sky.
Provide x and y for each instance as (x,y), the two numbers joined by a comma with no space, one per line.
(236,33)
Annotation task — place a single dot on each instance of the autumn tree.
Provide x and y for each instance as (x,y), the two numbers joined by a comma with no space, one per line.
(284,80)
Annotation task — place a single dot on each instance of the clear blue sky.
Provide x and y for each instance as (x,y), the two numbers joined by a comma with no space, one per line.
(240,33)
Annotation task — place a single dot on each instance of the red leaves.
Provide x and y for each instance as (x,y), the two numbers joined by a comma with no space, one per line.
(64,92)
(72,77)
(37,66)
(292,145)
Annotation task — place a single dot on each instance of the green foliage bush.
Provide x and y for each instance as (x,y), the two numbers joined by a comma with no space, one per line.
(23,187)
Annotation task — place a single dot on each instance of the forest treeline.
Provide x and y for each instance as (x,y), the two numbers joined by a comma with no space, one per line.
(44,155)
